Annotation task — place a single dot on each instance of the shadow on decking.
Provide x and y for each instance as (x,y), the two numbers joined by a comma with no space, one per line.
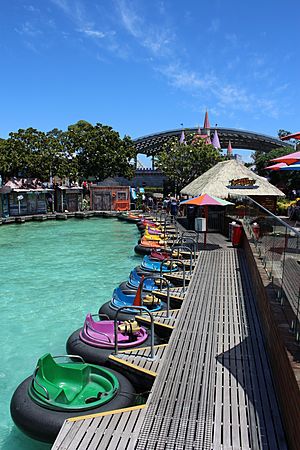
(249,367)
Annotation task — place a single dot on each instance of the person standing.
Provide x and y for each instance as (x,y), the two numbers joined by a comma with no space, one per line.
(174,207)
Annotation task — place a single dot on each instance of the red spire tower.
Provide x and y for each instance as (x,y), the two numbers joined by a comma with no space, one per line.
(229,150)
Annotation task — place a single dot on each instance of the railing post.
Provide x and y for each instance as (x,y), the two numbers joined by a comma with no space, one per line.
(171,262)
(183,247)
(141,308)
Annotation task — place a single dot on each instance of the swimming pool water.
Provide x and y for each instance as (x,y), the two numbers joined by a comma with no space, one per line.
(51,275)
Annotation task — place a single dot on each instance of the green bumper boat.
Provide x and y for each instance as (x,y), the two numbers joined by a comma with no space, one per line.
(60,390)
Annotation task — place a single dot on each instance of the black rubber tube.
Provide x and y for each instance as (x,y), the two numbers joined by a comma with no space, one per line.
(97,355)
(130,290)
(111,312)
(127,219)
(142,250)
(44,424)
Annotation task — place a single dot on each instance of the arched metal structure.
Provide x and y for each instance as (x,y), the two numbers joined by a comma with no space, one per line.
(240,139)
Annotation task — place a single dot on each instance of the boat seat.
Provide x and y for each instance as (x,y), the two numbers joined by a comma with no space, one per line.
(63,383)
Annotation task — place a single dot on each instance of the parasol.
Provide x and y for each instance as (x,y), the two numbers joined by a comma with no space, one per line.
(206,201)
(277,166)
(288,159)
(295,166)
(291,136)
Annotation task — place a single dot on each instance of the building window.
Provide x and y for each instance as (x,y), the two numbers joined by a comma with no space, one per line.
(122,195)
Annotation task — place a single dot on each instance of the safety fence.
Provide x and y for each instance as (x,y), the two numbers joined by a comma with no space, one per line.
(278,246)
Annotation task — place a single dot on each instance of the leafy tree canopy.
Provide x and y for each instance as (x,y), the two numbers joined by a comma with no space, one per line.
(100,151)
(282,133)
(83,150)
(182,163)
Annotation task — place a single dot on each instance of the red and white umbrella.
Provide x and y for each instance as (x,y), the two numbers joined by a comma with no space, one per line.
(291,158)
(277,166)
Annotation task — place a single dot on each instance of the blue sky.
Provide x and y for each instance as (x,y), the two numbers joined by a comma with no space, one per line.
(143,66)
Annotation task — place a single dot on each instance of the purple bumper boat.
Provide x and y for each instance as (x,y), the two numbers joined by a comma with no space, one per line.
(95,341)
(101,333)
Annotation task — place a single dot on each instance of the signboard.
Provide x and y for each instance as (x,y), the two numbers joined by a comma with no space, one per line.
(242,183)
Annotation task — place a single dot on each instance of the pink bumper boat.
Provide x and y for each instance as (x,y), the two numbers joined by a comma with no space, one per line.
(101,333)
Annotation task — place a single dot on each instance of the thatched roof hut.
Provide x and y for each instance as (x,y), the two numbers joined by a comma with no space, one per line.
(231,178)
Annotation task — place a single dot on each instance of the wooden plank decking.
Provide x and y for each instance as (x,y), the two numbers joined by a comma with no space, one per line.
(214,388)
(175,293)
(160,317)
(140,358)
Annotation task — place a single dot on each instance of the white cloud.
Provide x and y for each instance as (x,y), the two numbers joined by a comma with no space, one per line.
(131,21)
(232,39)
(227,96)
(181,78)
(214,25)
(157,39)
(28,29)
(165,55)
(31,8)
(75,11)
(95,33)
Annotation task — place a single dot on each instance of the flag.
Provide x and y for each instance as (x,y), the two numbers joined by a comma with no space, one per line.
(138,297)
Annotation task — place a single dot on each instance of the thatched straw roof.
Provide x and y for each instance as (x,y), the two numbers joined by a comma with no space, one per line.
(216,181)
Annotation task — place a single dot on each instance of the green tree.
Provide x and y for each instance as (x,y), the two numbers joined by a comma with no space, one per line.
(84,149)
(35,154)
(100,151)
(24,148)
(4,159)
(281,133)
(182,163)
(58,156)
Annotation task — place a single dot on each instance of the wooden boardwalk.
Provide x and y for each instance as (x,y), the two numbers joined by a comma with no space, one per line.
(140,358)
(176,293)
(213,388)
(160,317)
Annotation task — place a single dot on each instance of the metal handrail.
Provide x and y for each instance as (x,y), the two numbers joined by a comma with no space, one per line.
(269,213)
(188,239)
(34,380)
(184,247)
(178,261)
(140,308)
(70,356)
(175,237)
(162,279)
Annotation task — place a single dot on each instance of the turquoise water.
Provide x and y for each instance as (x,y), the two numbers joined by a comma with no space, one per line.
(51,275)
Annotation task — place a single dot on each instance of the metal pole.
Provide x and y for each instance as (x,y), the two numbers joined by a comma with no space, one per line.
(140,308)
(162,279)
(174,260)
(183,247)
